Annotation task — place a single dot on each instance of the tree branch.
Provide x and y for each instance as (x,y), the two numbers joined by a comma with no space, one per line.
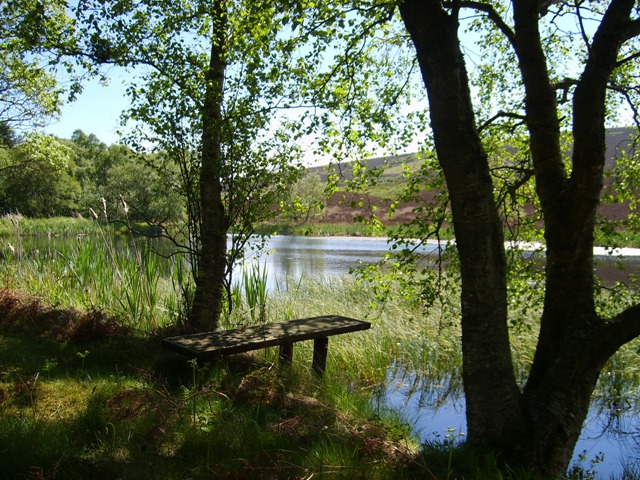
(565,85)
(494,16)
(501,114)
(629,99)
(622,328)
(631,30)
(583,32)
(627,59)
(589,100)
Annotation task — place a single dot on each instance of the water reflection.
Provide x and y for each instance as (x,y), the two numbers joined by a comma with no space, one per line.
(609,441)
(291,257)
(298,257)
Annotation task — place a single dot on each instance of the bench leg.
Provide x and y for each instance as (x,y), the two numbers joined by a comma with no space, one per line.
(286,353)
(320,348)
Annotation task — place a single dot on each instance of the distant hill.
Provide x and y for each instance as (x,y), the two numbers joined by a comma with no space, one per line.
(617,139)
(340,210)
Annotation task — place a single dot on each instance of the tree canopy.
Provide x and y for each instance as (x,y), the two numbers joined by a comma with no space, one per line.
(34,34)
(42,176)
(213,79)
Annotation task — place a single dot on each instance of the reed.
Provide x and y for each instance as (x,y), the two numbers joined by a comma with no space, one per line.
(401,337)
(254,284)
(127,282)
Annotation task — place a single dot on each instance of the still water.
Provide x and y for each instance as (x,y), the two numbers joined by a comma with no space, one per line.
(606,444)
(297,257)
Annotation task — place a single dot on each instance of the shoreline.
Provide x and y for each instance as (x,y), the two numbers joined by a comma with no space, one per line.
(598,251)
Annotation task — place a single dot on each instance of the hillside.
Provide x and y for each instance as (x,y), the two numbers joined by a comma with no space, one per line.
(339,209)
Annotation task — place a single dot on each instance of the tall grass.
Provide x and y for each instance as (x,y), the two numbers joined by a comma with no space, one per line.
(13,225)
(248,296)
(16,224)
(254,283)
(401,338)
(126,282)
(130,283)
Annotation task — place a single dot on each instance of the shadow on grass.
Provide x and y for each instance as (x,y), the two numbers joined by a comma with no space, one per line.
(83,397)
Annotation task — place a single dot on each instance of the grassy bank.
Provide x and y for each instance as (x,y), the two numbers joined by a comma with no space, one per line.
(86,389)
(93,394)
(17,226)
(322,230)
(84,397)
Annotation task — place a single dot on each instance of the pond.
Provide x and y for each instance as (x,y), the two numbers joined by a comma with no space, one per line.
(298,257)
(608,440)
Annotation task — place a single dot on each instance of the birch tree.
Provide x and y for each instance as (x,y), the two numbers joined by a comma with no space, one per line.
(31,33)
(210,79)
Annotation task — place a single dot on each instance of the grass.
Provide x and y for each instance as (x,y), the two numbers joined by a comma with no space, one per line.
(131,283)
(12,227)
(81,398)
(317,229)
(92,392)
(254,286)
(15,225)
(75,375)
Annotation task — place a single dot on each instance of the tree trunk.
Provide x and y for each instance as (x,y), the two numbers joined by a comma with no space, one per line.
(492,395)
(538,428)
(571,351)
(214,224)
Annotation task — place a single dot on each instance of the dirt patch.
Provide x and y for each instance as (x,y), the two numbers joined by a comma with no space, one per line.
(22,313)
(348,207)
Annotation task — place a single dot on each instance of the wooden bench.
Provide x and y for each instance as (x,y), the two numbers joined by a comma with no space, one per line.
(211,345)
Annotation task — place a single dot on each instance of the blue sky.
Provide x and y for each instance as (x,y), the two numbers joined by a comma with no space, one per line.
(96,110)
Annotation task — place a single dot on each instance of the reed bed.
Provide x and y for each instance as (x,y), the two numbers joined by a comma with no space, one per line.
(418,346)
(402,341)
(145,291)
(17,225)
(130,283)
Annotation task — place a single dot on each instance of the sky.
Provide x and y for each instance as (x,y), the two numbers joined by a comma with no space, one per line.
(96,110)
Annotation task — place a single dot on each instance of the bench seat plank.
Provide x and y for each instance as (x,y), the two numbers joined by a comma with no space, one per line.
(209,345)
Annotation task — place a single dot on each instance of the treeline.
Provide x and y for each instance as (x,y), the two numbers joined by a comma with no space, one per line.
(42,176)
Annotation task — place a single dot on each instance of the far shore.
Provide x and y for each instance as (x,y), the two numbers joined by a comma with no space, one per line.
(612,252)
